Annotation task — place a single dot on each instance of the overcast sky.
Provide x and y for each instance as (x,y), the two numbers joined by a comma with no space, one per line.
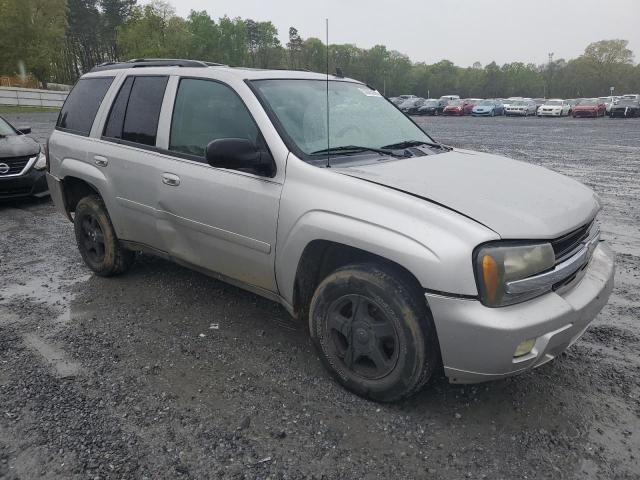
(463,31)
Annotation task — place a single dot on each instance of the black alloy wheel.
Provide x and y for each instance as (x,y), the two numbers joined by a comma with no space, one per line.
(97,241)
(92,238)
(362,337)
(373,331)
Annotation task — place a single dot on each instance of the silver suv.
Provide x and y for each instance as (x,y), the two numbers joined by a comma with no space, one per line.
(404,255)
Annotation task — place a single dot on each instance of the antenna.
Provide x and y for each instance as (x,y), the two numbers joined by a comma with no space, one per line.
(328,138)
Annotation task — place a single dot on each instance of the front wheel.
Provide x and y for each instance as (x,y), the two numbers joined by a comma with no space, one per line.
(97,241)
(374,332)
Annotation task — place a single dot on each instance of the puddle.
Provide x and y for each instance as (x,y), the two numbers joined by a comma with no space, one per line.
(51,292)
(53,356)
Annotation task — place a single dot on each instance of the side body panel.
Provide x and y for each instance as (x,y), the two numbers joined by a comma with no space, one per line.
(435,244)
(222,220)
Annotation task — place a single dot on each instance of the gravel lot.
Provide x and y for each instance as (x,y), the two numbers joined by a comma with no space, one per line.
(129,378)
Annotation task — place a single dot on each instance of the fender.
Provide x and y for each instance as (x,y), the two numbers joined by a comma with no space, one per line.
(70,167)
(94,176)
(414,256)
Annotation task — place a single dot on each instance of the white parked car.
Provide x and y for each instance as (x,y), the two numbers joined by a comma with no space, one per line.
(631,96)
(554,108)
(608,102)
(523,108)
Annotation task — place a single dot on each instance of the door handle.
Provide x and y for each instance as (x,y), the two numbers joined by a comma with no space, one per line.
(170,179)
(100,161)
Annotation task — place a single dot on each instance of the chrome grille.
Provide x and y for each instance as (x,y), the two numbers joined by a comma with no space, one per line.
(567,244)
(16,164)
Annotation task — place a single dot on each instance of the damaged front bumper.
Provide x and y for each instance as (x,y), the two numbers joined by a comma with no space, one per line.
(478,343)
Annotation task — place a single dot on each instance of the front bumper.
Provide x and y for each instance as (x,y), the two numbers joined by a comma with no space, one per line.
(585,114)
(521,113)
(481,114)
(477,342)
(30,184)
(552,113)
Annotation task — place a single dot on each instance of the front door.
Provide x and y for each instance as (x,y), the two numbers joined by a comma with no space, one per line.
(219,219)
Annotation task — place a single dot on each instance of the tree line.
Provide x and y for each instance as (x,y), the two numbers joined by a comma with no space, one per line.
(58,40)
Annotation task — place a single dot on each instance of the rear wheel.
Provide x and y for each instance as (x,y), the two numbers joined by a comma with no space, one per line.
(97,241)
(374,332)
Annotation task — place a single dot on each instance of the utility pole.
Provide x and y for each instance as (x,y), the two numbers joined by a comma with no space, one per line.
(549,73)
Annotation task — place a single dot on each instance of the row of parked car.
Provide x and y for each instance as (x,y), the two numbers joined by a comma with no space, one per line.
(623,106)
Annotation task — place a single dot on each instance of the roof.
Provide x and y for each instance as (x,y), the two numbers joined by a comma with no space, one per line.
(173,66)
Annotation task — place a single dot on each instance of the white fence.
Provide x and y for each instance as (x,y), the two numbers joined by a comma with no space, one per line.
(29,97)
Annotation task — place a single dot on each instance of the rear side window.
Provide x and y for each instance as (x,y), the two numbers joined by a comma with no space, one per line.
(113,129)
(79,111)
(136,110)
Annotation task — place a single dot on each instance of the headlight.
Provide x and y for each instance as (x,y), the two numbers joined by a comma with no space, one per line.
(41,161)
(496,264)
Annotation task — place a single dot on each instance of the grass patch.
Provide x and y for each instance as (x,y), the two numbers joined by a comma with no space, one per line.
(20,109)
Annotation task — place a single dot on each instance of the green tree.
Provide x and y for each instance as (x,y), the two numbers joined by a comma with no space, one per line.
(31,34)
(114,13)
(294,47)
(233,41)
(154,31)
(204,37)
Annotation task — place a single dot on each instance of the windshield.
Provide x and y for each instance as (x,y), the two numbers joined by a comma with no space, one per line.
(554,102)
(6,129)
(486,102)
(455,103)
(589,102)
(431,103)
(626,102)
(358,115)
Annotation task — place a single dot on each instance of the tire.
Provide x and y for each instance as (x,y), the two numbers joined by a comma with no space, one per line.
(97,241)
(393,349)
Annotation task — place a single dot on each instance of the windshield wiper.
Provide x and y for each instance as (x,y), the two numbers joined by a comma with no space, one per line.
(416,143)
(356,149)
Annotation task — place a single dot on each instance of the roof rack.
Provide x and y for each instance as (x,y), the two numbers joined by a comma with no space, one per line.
(154,62)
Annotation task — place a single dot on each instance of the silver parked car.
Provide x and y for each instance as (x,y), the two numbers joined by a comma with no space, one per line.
(400,252)
(522,108)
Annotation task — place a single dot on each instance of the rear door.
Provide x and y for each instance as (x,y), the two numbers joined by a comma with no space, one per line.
(127,154)
(219,219)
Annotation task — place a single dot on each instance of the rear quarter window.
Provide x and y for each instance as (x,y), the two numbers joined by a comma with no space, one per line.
(82,104)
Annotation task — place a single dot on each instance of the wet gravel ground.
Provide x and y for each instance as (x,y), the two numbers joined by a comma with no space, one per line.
(165,373)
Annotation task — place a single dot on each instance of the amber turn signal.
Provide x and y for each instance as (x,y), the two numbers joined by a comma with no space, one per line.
(490,276)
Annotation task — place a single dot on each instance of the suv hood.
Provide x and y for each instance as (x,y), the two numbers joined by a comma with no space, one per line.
(515,199)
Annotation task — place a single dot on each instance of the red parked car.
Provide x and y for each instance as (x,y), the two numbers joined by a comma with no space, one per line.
(589,107)
(454,107)
(469,103)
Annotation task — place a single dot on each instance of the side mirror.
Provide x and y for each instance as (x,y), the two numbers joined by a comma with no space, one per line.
(237,154)
(25,130)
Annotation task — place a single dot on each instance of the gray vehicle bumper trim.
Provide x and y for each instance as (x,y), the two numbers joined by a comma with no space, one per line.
(478,343)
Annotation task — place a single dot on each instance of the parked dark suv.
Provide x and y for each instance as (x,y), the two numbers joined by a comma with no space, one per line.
(22,163)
